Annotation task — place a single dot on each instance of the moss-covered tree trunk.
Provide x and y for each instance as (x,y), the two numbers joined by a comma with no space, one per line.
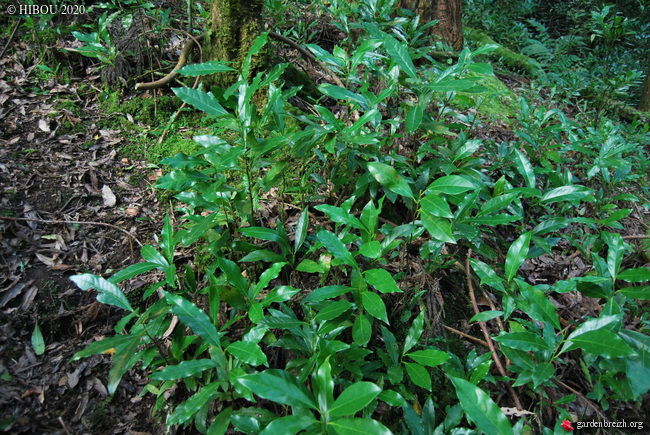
(447,12)
(234,26)
(644,103)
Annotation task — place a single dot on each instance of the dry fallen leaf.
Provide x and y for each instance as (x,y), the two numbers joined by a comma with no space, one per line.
(131,211)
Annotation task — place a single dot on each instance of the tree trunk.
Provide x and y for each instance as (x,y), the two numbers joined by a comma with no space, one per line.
(644,103)
(447,12)
(234,26)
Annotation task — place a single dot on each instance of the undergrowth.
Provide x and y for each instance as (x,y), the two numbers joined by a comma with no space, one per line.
(324,246)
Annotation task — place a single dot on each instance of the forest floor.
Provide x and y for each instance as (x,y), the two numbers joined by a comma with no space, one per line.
(58,168)
(71,202)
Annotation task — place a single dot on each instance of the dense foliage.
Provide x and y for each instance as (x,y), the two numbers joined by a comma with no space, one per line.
(324,238)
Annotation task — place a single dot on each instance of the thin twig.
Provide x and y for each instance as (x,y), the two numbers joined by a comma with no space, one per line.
(308,55)
(48,221)
(467,336)
(644,236)
(11,38)
(486,334)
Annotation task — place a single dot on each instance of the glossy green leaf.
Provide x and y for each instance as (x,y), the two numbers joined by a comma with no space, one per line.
(109,293)
(429,357)
(481,409)
(354,398)
(327,292)
(414,118)
(338,215)
(393,398)
(450,185)
(639,292)
(250,353)
(234,275)
(301,229)
(289,425)
(540,307)
(339,93)
(358,426)
(266,277)
(498,203)
(451,85)
(419,375)
(388,177)
(375,306)
(221,422)
(382,280)
(323,386)
(124,358)
(522,341)
(517,254)
(336,247)
(183,369)
(38,343)
(200,100)
(640,274)
(102,346)
(361,330)
(436,206)
(188,409)
(333,310)
(279,386)
(200,229)
(615,252)
(487,275)
(194,318)
(484,316)
(205,68)
(566,193)
(599,342)
(371,249)
(481,68)
(264,255)
(414,333)
(438,228)
(400,54)
(131,271)
(280,294)
(525,168)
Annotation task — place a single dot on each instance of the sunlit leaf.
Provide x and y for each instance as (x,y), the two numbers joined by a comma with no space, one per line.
(354,398)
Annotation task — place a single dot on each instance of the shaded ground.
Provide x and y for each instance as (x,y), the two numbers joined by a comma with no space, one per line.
(56,167)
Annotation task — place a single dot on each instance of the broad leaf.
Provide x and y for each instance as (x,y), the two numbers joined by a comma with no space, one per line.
(400,54)
(640,274)
(419,375)
(205,68)
(517,254)
(388,177)
(354,398)
(183,369)
(194,318)
(336,247)
(358,426)
(327,292)
(481,409)
(522,341)
(38,343)
(279,386)
(414,333)
(382,280)
(438,228)
(374,305)
(566,193)
(429,357)
(188,409)
(450,185)
(204,101)
(250,353)
(599,342)
(361,330)
(333,310)
(289,425)
(109,293)
(436,206)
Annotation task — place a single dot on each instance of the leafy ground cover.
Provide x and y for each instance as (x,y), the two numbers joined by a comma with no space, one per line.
(393,257)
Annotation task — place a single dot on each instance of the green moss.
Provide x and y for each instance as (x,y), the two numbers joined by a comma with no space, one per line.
(497,102)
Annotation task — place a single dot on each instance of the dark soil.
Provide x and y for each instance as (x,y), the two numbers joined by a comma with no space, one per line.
(57,219)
